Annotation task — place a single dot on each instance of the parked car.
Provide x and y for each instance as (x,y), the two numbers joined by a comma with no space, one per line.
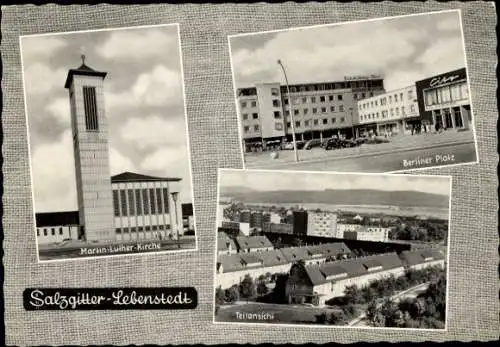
(312,143)
(332,143)
(349,143)
(289,145)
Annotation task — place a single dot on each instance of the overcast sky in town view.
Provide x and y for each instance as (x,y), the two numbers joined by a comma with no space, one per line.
(402,49)
(143,99)
(289,180)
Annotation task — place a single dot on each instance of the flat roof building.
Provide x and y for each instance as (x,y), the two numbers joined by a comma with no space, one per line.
(320,110)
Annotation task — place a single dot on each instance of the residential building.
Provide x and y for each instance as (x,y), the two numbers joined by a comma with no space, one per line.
(444,100)
(342,228)
(422,258)
(317,284)
(320,110)
(280,228)
(232,269)
(393,112)
(247,244)
(225,244)
(322,224)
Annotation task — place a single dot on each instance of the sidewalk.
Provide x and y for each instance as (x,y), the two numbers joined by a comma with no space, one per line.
(397,143)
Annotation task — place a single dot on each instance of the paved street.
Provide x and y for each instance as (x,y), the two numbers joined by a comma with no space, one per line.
(402,153)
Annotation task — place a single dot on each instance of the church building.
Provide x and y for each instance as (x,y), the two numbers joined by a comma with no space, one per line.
(127,206)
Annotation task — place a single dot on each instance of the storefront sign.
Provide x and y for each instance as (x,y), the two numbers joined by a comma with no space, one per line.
(437,81)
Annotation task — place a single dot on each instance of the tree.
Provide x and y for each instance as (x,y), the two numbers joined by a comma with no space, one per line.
(232,294)
(279,291)
(262,289)
(220,296)
(248,289)
(352,294)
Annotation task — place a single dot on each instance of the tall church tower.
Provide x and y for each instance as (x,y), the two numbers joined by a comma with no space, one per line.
(90,145)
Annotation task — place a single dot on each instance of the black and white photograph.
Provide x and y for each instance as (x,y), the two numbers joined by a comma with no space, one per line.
(108,142)
(381,95)
(318,249)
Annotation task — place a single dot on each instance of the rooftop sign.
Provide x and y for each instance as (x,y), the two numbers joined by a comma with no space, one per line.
(362,77)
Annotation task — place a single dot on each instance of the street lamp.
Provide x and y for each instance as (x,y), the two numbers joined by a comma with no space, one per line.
(174,198)
(291,110)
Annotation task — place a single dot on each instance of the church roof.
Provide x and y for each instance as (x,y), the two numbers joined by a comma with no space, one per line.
(46,219)
(135,177)
(82,70)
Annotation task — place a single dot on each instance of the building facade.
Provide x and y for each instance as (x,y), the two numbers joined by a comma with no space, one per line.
(56,227)
(394,112)
(322,223)
(319,110)
(444,100)
(144,207)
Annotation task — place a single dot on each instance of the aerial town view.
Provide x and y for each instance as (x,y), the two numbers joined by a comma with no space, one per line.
(332,249)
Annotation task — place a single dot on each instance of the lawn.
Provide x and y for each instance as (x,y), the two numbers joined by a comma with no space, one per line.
(281,313)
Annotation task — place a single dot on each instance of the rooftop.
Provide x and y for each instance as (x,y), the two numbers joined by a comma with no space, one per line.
(135,177)
(253,242)
(82,70)
(46,219)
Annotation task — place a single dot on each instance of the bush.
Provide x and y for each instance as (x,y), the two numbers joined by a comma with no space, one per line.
(232,294)
(248,290)
(220,296)
(321,318)
(337,317)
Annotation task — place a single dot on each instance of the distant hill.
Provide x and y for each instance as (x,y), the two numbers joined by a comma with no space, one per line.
(230,191)
(339,197)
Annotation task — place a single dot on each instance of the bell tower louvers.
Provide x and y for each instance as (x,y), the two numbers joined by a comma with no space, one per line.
(91,152)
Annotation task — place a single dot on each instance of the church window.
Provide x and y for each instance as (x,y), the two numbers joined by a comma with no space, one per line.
(90,108)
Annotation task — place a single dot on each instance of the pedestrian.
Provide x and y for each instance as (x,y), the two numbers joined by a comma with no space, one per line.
(412,129)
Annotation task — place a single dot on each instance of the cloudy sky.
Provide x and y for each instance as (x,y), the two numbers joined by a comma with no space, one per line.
(402,49)
(289,180)
(143,100)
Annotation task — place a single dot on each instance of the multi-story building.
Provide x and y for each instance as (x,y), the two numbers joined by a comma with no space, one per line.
(342,228)
(279,228)
(245,216)
(444,101)
(321,223)
(299,221)
(319,110)
(389,113)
